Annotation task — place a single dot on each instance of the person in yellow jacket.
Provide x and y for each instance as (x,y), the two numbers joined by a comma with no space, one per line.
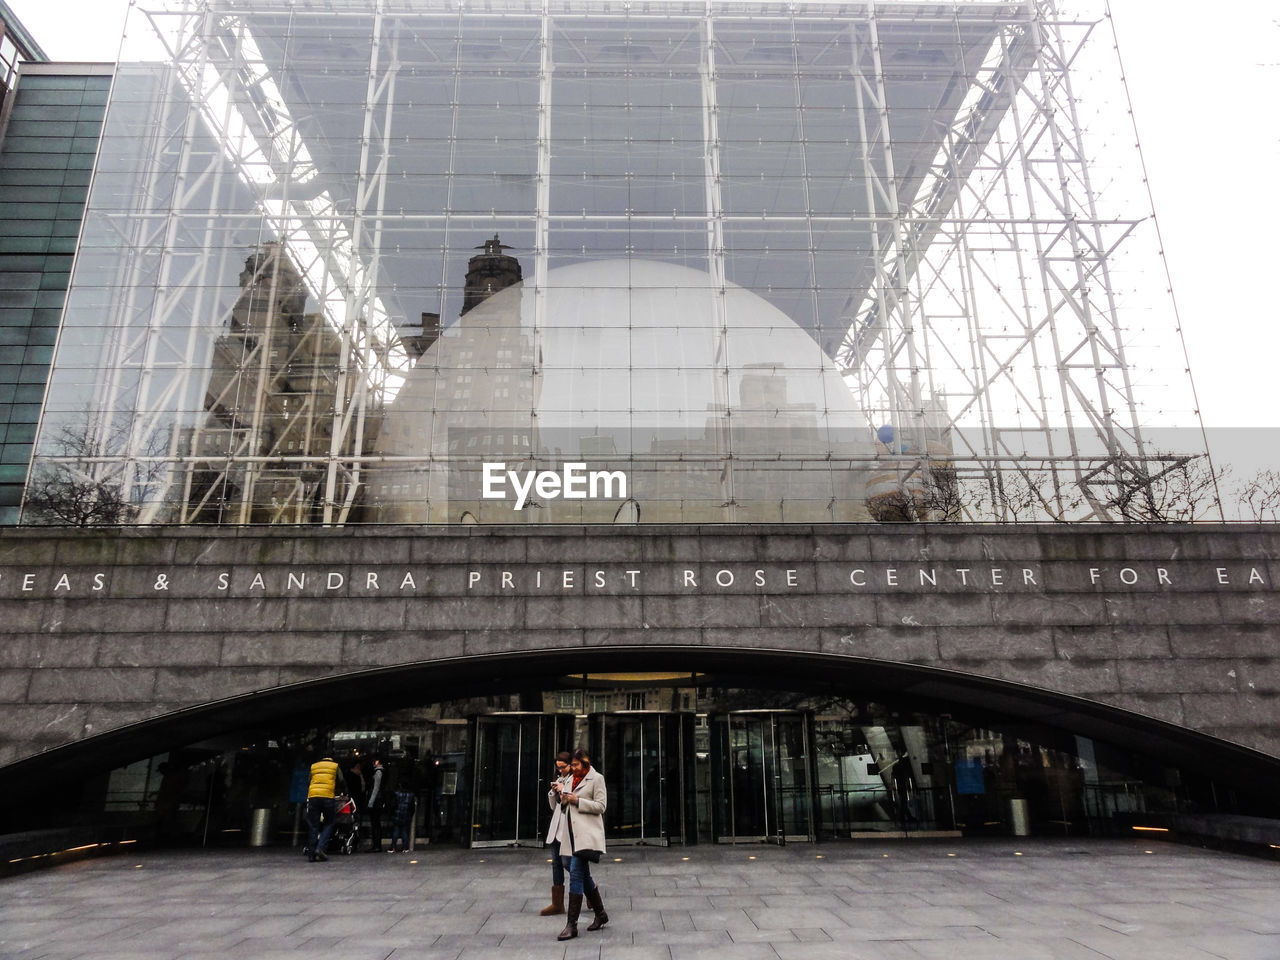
(326,779)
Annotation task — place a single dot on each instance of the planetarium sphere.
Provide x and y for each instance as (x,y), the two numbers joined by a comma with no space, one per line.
(712,402)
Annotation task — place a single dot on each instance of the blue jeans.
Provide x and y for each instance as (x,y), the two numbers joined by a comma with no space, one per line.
(579,874)
(557,868)
(320,810)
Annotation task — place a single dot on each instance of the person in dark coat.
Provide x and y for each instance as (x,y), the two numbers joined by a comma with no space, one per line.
(377,803)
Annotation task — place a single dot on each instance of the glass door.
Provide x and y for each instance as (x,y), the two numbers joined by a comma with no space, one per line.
(513,764)
(640,757)
(761,783)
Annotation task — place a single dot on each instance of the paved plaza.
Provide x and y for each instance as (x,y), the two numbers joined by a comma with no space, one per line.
(999,900)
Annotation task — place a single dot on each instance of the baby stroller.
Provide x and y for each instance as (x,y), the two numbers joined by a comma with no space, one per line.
(346,825)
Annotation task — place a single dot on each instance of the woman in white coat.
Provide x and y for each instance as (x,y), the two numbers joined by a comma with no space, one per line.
(581,830)
(561,782)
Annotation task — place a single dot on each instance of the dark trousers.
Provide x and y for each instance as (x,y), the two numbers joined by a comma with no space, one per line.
(321,814)
(557,865)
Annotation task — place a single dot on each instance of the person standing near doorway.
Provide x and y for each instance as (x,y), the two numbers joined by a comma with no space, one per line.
(559,783)
(326,779)
(404,804)
(582,834)
(377,800)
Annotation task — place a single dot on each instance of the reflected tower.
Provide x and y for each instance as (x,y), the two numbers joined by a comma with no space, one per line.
(489,272)
(270,401)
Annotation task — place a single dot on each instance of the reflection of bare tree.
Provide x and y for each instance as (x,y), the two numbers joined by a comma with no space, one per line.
(1258,497)
(1163,488)
(1029,495)
(80,481)
(1169,490)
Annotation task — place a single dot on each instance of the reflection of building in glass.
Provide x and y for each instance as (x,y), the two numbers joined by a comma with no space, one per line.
(628,374)
(489,272)
(483,372)
(904,186)
(258,458)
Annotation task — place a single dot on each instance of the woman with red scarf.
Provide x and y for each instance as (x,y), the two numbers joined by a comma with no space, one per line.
(582,832)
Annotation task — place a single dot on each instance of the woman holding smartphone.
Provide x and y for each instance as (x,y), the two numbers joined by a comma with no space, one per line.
(582,834)
(558,783)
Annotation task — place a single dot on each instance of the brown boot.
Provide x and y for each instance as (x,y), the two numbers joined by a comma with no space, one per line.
(597,904)
(571,928)
(557,903)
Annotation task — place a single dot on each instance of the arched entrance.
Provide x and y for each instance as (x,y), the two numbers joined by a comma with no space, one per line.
(722,747)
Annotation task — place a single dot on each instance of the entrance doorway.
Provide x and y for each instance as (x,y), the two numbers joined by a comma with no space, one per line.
(513,763)
(761,786)
(646,760)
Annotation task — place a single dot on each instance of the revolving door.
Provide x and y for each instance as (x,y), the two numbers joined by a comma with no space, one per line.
(513,765)
(761,785)
(646,760)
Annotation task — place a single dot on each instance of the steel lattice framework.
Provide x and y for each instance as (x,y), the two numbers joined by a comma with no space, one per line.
(1013,177)
(983,327)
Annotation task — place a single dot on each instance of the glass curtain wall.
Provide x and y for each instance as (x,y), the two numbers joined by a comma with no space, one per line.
(365,260)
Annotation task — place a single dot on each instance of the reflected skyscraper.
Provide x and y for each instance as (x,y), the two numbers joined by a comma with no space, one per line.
(270,400)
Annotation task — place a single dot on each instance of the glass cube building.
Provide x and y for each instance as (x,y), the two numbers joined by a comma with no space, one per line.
(386,261)
(427,262)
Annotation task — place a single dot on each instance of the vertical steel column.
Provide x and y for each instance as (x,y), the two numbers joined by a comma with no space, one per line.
(715,255)
(895,279)
(355,349)
(542,216)
(159,346)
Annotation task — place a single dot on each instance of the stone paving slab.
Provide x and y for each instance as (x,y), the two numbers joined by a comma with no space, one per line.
(923,900)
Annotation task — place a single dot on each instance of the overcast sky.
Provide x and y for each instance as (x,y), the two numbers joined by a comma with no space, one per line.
(1205,84)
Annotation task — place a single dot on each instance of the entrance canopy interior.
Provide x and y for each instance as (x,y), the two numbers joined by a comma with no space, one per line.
(974,700)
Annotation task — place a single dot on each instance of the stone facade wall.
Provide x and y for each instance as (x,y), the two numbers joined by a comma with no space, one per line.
(104,629)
